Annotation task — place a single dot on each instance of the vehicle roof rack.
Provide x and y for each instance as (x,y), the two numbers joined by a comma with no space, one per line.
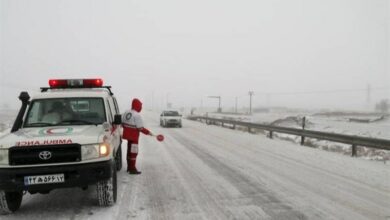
(45,89)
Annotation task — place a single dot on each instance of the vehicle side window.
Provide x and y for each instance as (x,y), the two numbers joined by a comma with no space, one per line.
(109,112)
(116,106)
(33,115)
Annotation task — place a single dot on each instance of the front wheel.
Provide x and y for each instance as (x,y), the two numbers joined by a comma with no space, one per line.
(107,190)
(10,201)
(118,158)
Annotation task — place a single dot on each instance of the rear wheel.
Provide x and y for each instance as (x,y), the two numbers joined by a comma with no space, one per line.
(107,190)
(10,201)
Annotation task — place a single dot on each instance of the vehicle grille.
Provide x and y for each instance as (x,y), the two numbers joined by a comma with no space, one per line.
(30,154)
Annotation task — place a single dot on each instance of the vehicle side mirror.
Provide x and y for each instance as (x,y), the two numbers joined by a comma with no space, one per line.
(118,119)
(106,126)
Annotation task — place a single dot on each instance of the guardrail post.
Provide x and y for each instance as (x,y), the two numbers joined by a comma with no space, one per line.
(271,134)
(354,150)
(303,128)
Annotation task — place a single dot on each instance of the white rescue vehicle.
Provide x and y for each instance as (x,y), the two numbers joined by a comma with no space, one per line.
(66,136)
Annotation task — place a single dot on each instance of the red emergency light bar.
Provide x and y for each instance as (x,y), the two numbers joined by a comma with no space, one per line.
(75,83)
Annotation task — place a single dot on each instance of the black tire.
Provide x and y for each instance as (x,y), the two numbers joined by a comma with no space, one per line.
(180,125)
(118,158)
(107,190)
(10,201)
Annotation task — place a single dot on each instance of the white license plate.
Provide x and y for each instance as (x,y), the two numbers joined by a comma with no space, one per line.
(44,179)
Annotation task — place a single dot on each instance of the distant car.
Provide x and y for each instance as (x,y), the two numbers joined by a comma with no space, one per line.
(170,118)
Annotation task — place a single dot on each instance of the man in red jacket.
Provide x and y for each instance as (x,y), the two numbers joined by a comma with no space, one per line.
(132,126)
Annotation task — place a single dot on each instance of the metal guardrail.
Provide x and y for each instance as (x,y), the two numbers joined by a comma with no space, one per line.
(341,138)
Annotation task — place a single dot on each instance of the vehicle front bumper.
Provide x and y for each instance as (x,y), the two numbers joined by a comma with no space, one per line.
(81,175)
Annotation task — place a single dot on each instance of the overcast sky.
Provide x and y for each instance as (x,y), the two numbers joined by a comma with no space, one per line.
(302,53)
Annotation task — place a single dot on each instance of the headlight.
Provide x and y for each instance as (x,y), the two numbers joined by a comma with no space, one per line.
(104,150)
(90,151)
(4,157)
(94,151)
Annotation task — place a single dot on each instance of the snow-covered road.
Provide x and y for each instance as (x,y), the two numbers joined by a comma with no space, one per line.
(208,172)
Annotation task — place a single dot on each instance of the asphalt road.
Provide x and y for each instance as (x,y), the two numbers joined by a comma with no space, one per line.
(208,172)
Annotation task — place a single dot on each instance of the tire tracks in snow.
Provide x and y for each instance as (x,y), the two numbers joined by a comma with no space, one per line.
(259,196)
(159,192)
(353,198)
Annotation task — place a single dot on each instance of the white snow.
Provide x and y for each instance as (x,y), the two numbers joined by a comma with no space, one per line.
(339,122)
(209,172)
(376,127)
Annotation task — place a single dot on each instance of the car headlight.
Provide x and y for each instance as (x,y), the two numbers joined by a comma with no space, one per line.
(90,151)
(104,150)
(94,151)
(4,157)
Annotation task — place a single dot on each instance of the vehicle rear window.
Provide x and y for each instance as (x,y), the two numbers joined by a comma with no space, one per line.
(171,113)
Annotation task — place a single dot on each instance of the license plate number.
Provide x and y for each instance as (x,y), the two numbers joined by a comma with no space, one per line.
(44,179)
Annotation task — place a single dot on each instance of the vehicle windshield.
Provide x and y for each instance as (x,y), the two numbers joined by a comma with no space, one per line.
(65,111)
(171,113)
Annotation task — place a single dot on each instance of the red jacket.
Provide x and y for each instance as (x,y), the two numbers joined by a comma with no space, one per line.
(132,122)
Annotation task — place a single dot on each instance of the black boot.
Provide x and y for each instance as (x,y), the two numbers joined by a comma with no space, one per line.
(134,172)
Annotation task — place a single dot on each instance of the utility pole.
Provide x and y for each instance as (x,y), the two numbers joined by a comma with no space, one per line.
(236,105)
(251,93)
(368,95)
(268,99)
(152,100)
(219,110)
(169,105)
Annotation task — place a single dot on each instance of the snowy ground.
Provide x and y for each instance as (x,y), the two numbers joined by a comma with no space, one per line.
(361,124)
(332,122)
(209,172)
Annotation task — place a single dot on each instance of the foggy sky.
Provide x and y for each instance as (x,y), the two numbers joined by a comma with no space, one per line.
(302,53)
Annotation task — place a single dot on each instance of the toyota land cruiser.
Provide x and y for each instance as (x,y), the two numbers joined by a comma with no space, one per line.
(68,135)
